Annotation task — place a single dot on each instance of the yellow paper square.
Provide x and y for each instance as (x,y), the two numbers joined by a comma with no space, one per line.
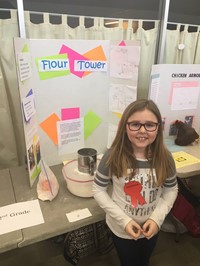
(183,159)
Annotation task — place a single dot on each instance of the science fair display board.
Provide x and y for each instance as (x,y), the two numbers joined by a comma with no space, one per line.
(176,90)
(73,93)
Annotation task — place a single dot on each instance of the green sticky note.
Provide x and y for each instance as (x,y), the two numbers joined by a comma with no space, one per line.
(91,122)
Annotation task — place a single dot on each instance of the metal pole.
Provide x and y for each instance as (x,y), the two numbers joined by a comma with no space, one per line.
(20,11)
(163,12)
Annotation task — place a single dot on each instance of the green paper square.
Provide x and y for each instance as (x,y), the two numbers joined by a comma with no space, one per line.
(91,122)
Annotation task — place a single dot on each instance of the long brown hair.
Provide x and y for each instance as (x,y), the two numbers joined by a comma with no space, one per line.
(121,155)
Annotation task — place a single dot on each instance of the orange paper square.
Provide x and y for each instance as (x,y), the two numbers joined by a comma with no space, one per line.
(50,128)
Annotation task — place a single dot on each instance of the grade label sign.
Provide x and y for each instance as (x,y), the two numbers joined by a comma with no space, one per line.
(20,215)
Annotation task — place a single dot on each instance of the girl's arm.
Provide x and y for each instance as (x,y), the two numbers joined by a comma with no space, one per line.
(166,201)
(101,195)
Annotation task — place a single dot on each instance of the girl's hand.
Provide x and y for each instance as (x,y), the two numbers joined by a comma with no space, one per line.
(133,229)
(150,228)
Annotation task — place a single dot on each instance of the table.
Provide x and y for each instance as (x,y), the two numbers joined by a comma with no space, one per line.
(10,240)
(194,150)
(193,169)
(54,212)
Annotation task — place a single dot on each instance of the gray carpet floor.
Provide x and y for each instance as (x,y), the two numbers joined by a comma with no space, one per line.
(168,252)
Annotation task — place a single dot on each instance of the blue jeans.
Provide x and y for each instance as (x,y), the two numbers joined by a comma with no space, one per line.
(134,252)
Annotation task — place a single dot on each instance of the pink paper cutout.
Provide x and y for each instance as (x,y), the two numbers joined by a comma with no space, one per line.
(72,55)
(70,113)
(122,43)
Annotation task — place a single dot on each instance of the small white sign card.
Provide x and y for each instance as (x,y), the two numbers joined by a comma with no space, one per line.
(77,215)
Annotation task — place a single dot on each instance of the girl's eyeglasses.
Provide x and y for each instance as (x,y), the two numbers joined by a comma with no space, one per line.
(149,126)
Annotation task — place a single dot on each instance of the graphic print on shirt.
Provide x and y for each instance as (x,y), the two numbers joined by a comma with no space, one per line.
(133,189)
(141,194)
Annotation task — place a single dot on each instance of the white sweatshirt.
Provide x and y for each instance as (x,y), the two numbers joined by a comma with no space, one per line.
(136,198)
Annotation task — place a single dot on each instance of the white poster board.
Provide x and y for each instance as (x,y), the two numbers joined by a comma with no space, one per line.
(176,90)
(27,95)
(81,88)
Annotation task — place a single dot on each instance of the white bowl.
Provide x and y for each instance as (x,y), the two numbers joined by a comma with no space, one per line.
(78,183)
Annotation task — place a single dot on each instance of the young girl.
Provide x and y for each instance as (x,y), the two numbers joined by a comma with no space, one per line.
(144,181)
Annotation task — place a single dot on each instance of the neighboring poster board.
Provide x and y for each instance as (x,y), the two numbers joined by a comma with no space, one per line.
(176,90)
(81,88)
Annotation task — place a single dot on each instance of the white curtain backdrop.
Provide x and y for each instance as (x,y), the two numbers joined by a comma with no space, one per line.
(11,127)
(182,47)
(12,145)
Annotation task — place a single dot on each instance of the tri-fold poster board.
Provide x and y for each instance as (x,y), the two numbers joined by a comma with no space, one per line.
(176,90)
(73,93)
